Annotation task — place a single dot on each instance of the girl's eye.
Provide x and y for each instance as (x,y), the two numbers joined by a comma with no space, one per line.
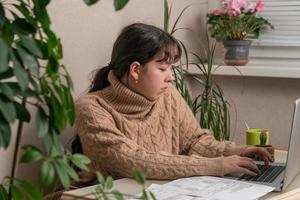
(162,69)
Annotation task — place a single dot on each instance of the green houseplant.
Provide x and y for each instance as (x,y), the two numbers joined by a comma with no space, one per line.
(210,104)
(237,21)
(31,75)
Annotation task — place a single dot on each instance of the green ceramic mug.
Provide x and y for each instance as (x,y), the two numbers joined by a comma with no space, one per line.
(253,136)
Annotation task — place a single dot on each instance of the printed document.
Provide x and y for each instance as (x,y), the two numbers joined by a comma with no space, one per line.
(209,188)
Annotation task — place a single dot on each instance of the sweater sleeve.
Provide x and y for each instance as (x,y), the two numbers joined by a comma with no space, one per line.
(113,153)
(195,140)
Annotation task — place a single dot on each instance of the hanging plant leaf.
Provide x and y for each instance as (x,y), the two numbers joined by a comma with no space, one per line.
(31,154)
(29,61)
(32,192)
(90,2)
(22,112)
(7,74)
(32,46)
(6,91)
(62,174)
(24,10)
(16,193)
(47,173)
(2,15)
(21,75)
(21,26)
(3,56)
(52,67)
(42,14)
(119,4)
(3,193)
(7,33)
(42,122)
(5,133)
(8,110)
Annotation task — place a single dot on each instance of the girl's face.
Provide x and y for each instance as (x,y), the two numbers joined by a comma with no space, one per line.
(154,78)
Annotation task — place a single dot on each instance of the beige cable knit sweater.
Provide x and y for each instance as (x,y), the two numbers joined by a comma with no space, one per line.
(120,130)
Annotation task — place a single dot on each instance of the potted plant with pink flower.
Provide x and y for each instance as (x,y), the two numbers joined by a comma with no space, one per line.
(238,21)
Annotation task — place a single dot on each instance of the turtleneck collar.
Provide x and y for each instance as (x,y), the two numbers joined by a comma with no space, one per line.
(124,100)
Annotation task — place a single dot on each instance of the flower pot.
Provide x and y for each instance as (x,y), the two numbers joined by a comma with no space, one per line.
(236,52)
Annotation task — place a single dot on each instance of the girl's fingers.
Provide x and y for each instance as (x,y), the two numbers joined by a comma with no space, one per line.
(246,171)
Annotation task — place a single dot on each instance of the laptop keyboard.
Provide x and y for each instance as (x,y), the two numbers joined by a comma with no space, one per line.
(267,174)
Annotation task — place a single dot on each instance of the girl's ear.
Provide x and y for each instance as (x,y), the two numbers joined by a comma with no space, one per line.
(135,70)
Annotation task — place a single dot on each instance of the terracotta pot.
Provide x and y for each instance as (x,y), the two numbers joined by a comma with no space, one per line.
(236,52)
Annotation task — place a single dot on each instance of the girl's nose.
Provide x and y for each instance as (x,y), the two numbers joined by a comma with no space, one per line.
(170,77)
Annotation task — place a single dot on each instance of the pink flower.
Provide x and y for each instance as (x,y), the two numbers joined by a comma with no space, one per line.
(217,12)
(237,4)
(234,7)
(259,6)
(251,7)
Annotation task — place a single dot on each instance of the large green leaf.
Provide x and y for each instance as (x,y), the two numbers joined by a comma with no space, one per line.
(7,33)
(42,123)
(31,154)
(3,56)
(47,173)
(16,193)
(19,71)
(2,15)
(70,171)
(70,106)
(18,91)
(80,161)
(52,67)
(90,2)
(32,191)
(22,112)
(6,91)
(119,4)
(32,46)
(8,110)
(29,61)
(7,74)
(100,178)
(3,192)
(24,10)
(21,26)
(62,174)
(57,113)
(22,76)
(5,133)
(42,14)
(139,177)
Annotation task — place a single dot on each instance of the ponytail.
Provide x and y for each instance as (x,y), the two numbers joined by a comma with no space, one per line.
(100,79)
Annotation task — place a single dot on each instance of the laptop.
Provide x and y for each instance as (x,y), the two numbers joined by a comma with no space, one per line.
(280,175)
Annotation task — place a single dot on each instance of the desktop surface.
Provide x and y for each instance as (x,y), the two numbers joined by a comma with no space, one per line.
(130,187)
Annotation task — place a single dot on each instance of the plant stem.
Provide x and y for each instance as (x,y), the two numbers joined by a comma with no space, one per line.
(16,153)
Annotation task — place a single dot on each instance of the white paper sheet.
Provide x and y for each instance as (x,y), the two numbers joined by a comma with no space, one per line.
(209,188)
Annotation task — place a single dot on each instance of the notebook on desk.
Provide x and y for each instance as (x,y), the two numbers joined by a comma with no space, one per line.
(280,175)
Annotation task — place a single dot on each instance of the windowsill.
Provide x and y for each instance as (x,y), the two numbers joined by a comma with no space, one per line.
(253,71)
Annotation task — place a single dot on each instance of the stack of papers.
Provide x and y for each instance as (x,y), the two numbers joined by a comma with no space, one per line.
(208,188)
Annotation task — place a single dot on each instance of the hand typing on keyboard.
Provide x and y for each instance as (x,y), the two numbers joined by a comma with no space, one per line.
(245,165)
(263,154)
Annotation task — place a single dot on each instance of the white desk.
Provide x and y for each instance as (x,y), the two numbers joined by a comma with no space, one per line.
(129,186)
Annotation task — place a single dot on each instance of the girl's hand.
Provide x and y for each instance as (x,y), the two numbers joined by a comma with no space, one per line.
(264,154)
(239,164)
